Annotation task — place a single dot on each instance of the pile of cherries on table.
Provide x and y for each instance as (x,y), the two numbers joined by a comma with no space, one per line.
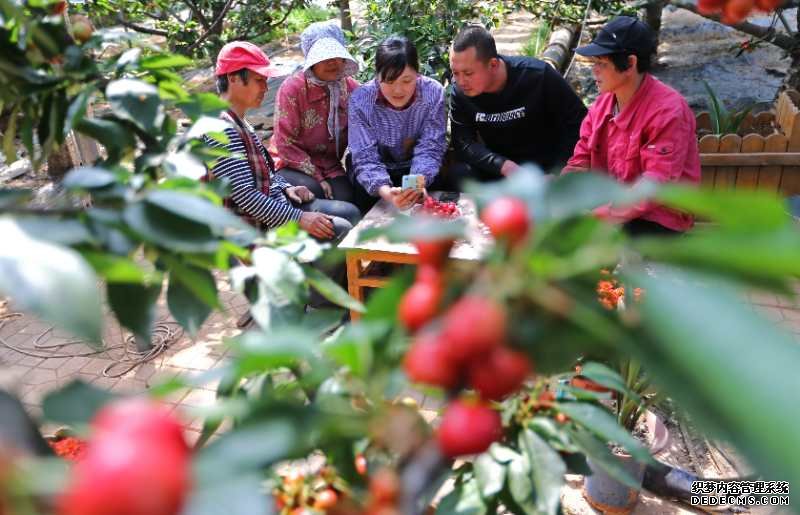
(440,209)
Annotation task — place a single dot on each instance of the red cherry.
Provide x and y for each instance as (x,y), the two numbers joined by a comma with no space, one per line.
(507,219)
(325,499)
(427,362)
(473,326)
(384,486)
(499,373)
(433,252)
(106,480)
(468,427)
(361,465)
(420,304)
(140,418)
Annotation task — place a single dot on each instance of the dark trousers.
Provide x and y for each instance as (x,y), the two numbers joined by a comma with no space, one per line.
(642,227)
(341,186)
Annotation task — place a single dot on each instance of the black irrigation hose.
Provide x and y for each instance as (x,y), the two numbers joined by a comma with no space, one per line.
(164,335)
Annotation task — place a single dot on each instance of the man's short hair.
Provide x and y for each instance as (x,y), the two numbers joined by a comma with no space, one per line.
(476,36)
(223,83)
(643,60)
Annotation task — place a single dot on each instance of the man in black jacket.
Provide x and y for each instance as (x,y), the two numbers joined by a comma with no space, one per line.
(508,110)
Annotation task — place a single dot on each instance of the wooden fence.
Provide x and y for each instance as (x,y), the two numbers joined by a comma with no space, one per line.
(767,158)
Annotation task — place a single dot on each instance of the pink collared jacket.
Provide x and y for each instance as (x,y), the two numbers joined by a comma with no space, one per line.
(653,137)
(301,140)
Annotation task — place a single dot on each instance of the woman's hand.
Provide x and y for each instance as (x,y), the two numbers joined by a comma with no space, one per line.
(299,194)
(326,188)
(400,198)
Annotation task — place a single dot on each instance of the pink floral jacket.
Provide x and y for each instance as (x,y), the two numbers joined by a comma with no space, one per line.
(301,140)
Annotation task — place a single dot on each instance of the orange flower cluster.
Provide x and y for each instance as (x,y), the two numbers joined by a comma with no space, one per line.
(609,292)
(69,448)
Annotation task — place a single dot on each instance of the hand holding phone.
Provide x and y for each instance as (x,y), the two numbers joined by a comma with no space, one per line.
(413,181)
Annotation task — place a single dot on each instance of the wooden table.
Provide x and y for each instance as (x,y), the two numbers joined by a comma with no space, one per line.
(360,255)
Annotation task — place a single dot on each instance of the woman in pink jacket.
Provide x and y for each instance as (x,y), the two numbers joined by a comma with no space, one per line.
(310,133)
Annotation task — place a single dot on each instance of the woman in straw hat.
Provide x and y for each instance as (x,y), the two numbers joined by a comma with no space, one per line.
(310,134)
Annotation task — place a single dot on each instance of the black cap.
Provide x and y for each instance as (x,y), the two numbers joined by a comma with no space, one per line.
(621,35)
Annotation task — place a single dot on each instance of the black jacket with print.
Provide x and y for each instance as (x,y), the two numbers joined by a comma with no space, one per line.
(535,118)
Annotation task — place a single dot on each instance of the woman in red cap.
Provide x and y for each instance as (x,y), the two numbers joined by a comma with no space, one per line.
(257,193)
(311,115)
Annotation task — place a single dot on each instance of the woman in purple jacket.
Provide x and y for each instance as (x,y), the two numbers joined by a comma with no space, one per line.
(396,127)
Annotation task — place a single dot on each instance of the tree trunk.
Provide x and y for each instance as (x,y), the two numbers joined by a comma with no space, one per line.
(557,52)
(59,163)
(344,14)
(652,16)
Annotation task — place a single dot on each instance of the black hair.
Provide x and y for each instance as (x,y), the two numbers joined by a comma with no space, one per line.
(393,55)
(476,36)
(643,60)
(223,82)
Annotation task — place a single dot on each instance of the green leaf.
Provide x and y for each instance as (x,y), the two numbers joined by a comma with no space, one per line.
(769,257)
(13,197)
(76,403)
(236,494)
(259,351)
(600,454)
(502,454)
(189,311)
(742,209)
(250,448)
(490,474)
(206,125)
(605,376)
(116,139)
(137,102)
(553,433)
(578,193)
(733,371)
(330,290)
(184,164)
(163,228)
(116,269)
(383,302)
(77,109)
(599,421)
(520,484)
(199,281)
(52,281)
(197,209)
(89,178)
(547,471)
(134,305)
(282,277)
(201,104)
(160,61)
(465,499)
(58,231)
(352,348)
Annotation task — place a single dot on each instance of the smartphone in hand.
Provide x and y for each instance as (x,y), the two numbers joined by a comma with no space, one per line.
(413,181)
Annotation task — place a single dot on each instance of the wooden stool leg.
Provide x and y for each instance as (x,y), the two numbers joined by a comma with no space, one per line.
(353,287)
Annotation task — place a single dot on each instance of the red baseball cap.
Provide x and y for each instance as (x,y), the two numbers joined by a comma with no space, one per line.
(240,54)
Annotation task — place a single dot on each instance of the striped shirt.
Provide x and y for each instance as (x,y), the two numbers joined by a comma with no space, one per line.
(272,210)
(382,138)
